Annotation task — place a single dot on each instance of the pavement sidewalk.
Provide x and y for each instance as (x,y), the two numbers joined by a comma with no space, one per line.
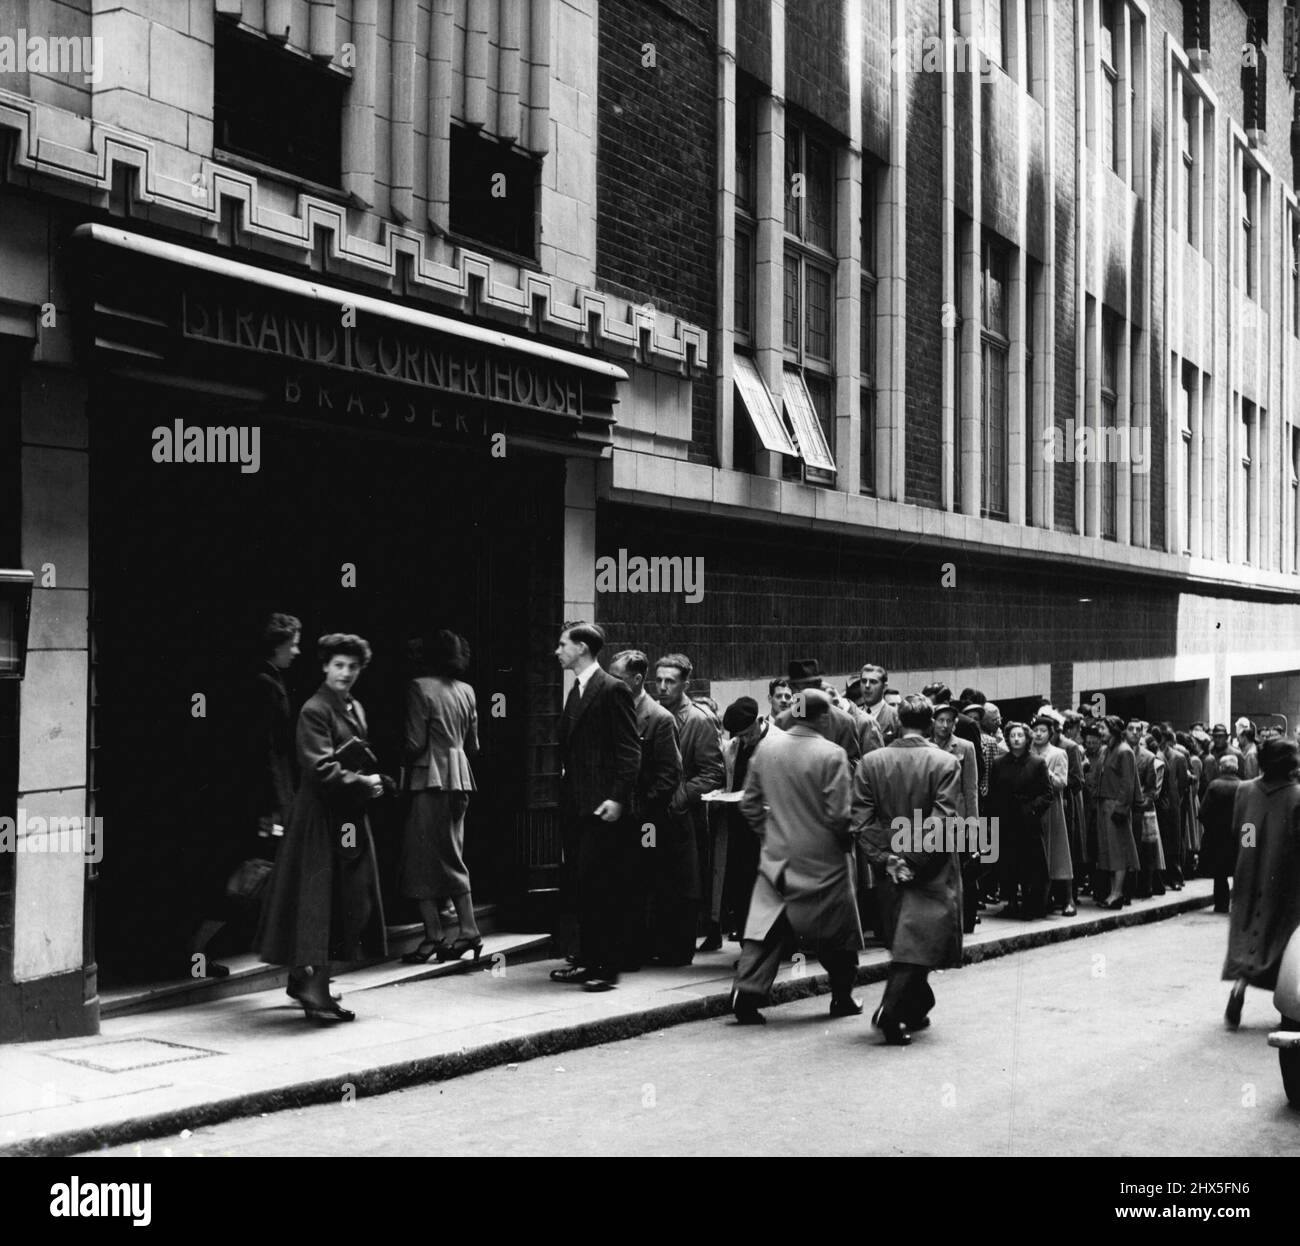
(156,1073)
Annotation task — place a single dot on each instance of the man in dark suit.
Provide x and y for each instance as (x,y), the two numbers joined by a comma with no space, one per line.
(663,840)
(875,679)
(600,752)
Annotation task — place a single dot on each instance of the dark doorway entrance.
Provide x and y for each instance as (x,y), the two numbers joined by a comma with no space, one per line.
(349,530)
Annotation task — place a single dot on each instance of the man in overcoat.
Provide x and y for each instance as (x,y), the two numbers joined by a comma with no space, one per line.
(677,895)
(662,838)
(1169,805)
(601,755)
(797,800)
(1266,884)
(968,804)
(920,882)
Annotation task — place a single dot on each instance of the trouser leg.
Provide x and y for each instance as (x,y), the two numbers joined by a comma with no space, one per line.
(841,965)
(903,994)
(1221,893)
(760,959)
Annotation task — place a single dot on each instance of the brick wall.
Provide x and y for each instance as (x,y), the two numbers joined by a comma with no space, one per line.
(771,595)
(754,39)
(656,168)
(815,65)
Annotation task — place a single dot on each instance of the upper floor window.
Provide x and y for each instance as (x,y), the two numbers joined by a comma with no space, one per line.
(808,281)
(493,192)
(996,44)
(1111,142)
(1110,331)
(277,107)
(1248,252)
(996,352)
(867,464)
(1295,273)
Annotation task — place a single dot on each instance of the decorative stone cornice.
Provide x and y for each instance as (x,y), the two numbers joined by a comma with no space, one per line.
(521,297)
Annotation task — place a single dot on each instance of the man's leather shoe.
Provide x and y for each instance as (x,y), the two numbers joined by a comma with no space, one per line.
(1232,1013)
(600,982)
(847,1007)
(747,1014)
(573,973)
(895,1032)
(712,940)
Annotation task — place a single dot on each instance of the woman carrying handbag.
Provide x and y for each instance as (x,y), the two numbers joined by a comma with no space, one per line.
(323,904)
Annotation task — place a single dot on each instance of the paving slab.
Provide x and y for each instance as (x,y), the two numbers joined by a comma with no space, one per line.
(154,1073)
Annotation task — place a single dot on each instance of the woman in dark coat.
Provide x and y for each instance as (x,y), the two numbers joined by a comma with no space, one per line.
(1218,844)
(1020,793)
(1266,887)
(441,739)
(324,904)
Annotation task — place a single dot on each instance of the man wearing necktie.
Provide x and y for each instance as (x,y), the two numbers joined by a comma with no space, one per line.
(600,751)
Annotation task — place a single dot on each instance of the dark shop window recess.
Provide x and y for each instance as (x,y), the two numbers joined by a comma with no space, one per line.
(493,189)
(278,108)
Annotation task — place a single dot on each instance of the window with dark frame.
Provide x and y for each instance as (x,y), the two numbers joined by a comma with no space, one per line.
(867,363)
(1249,251)
(959,320)
(995,346)
(809,267)
(747,97)
(1106,450)
(1294,496)
(493,192)
(277,107)
(1033,445)
(1295,274)
(1190,183)
(1111,145)
(1247,490)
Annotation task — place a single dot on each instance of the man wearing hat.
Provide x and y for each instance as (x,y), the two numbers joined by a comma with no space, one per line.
(797,800)
(838,727)
(1266,884)
(735,847)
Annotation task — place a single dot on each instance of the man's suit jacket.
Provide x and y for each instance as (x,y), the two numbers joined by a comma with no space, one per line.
(599,748)
(271,746)
(922,919)
(886,718)
(661,762)
(797,799)
(701,750)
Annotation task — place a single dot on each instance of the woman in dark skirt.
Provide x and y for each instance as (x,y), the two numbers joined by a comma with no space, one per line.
(323,902)
(441,738)
(1020,793)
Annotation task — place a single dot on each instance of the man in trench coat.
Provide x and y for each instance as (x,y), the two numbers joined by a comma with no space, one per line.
(797,799)
(921,894)
(1266,883)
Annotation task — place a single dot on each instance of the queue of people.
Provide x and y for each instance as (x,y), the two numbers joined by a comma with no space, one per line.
(685,825)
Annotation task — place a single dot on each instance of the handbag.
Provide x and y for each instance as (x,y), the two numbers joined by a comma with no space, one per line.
(1150,827)
(248,881)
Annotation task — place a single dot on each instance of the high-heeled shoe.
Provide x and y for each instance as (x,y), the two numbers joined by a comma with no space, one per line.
(1116,903)
(423,954)
(458,947)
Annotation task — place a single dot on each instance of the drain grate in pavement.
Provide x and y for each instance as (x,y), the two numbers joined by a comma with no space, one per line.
(121,1055)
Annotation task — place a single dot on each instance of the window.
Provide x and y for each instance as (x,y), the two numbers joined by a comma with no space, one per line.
(747,98)
(1033,445)
(277,107)
(867,342)
(744,310)
(959,320)
(1247,491)
(1295,274)
(808,333)
(1295,499)
(1248,257)
(1106,453)
(995,355)
(493,191)
(1111,143)
(1190,184)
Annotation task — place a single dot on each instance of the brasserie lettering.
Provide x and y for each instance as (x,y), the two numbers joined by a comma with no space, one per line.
(386,353)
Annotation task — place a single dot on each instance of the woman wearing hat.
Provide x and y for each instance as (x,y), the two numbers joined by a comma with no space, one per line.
(1020,793)
(1119,802)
